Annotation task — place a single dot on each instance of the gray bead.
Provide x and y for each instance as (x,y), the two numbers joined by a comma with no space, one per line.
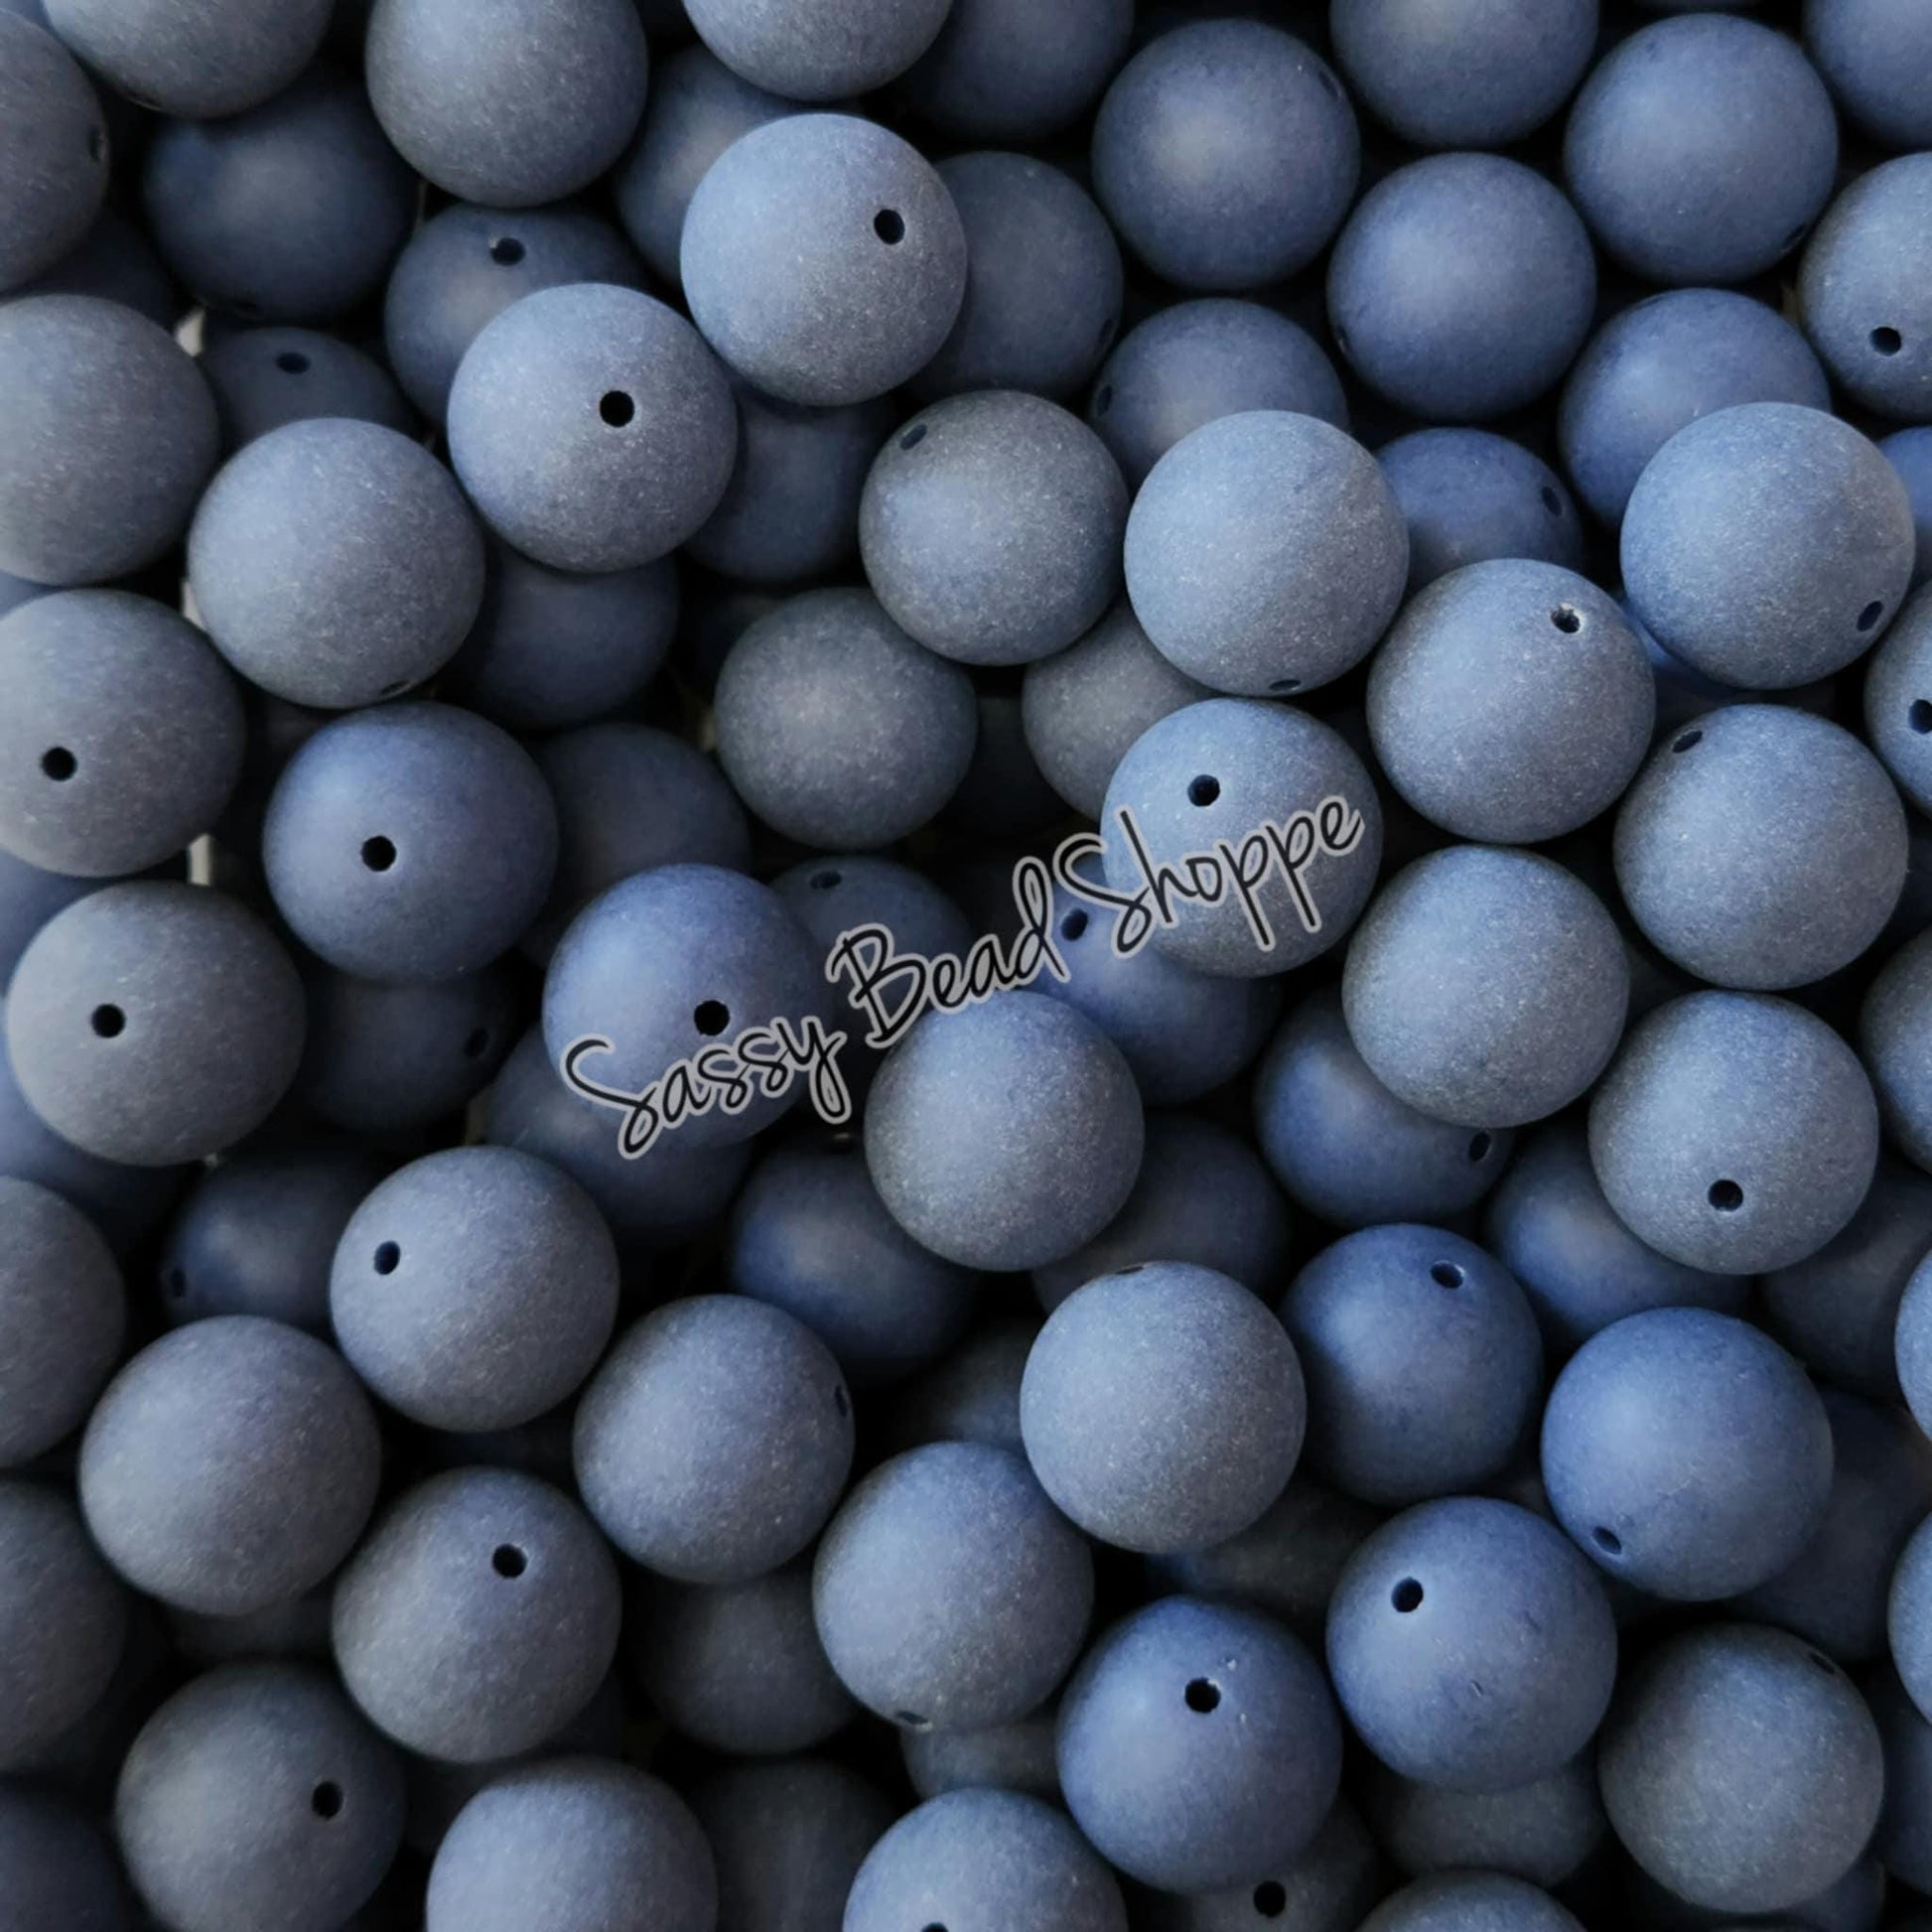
(1471,1902)
(1202,1198)
(1511,703)
(791,512)
(1345,1148)
(474,1288)
(479,1616)
(1487,985)
(152,1022)
(1891,1034)
(1687,1454)
(818,49)
(123,735)
(57,1872)
(64,1619)
(500,105)
(1761,848)
(1902,1841)
(107,432)
(1861,287)
(1043,281)
(1162,1408)
(569,1844)
(991,527)
(1218,771)
(1083,706)
(1285,1562)
(715,1440)
(197,59)
(262,378)
(63,1313)
(1768,544)
(836,727)
(116,261)
(229,1466)
(1742,1769)
(1016,1756)
(973,1395)
(1311,547)
(465,267)
(1006,71)
(379,607)
(1899,701)
(1540,1831)
(968,1122)
(1734,1132)
(1195,361)
(985,1862)
(257,1797)
(788,1839)
(948,1591)
(1327,1888)
(592,427)
(697,108)
(228,227)
(739,1668)
(1002,796)
(53,154)
(824,259)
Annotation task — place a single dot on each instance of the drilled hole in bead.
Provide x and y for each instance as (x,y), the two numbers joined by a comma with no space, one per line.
(1685,740)
(1887,342)
(913,437)
(326,1800)
(1073,926)
(711,1018)
(378,854)
(888,225)
(1870,616)
(1551,501)
(387,1258)
(1282,685)
(1479,1146)
(1446,1273)
(615,407)
(1725,1197)
(1103,400)
(107,1021)
(59,764)
(1607,1541)
(1328,82)
(1406,1595)
(292,362)
(1106,334)
(1121,1272)
(477,1043)
(506,250)
(1919,716)
(509,1561)
(394,688)
(1202,1695)
(1203,791)
(911,1721)
(1271,1898)
(1796,235)
(823,882)
(1822,1662)
(1566,618)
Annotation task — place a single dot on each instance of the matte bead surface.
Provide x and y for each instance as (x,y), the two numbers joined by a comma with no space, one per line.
(1470,1901)
(264,378)
(122,739)
(54,155)
(1875,56)
(1734,1132)
(1469,496)
(1898,709)
(1313,546)
(199,59)
(379,607)
(1540,1831)
(818,49)
(1485,986)
(1685,1451)
(229,1466)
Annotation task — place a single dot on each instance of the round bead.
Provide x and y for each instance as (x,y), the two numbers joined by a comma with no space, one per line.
(818,49)
(54,155)
(264,378)
(201,60)
(1470,497)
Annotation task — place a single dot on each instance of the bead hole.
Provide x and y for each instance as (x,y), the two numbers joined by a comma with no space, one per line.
(711,1018)
(1566,618)
(1073,926)
(1202,1695)
(1406,1595)
(292,362)
(1887,342)
(326,1800)
(1203,791)
(506,250)
(387,1255)
(1684,743)
(1870,616)
(1271,1898)
(1607,1541)
(59,764)
(509,1561)
(913,437)
(615,407)
(1446,1273)
(378,854)
(1725,1197)
(823,882)
(888,225)
(107,1021)
(1919,716)
(1479,1146)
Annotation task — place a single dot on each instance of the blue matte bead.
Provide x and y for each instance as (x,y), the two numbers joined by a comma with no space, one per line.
(203,60)
(1471,1645)
(1662,364)
(1199,1746)
(1012,71)
(1422,1363)
(1461,287)
(1325,1889)
(1468,495)
(54,155)
(818,49)
(1686,1452)
(263,378)
(1875,56)
(1225,153)
(1700,150)
(1471,1902)
(1540,1832)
